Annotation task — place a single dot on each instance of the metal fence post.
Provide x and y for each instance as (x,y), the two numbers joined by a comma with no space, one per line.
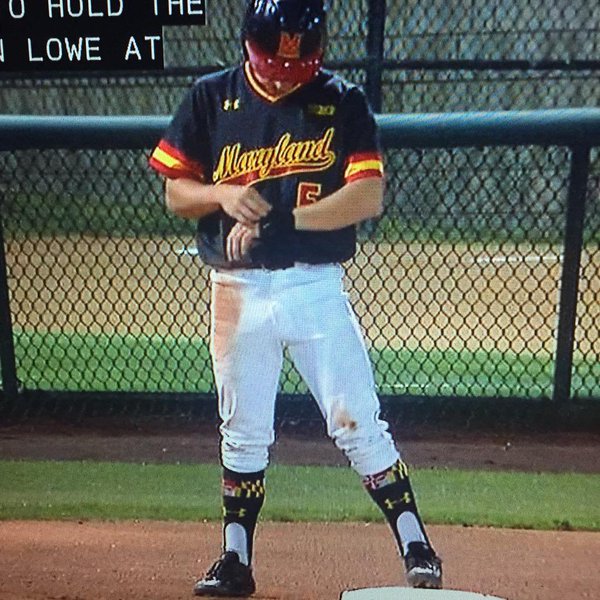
(569,287)
(375,41)
(10,382)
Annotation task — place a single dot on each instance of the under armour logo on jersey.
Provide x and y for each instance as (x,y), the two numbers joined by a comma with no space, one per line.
(231,104)
(289,45)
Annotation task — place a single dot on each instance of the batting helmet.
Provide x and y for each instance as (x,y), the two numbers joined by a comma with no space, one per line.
(284,40)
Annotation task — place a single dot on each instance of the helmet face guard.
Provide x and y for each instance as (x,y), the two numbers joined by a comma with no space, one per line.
(281,68)
(284,40)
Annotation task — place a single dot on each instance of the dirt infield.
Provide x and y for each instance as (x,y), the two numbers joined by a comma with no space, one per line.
(191,444)
(157,560)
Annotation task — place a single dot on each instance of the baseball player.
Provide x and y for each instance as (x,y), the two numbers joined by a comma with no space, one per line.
(278,159)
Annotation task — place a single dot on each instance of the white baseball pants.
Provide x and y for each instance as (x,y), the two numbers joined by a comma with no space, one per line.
(256,314)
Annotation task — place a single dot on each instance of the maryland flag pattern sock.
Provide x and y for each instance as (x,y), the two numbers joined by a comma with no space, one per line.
(392,492)
(243,497)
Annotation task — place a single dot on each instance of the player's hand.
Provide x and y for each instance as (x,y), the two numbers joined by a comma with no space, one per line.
(244,204)
(239,240)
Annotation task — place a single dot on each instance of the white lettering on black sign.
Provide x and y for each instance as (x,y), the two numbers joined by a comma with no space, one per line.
(88,8)
(70,49)
(16,8)
(83,35)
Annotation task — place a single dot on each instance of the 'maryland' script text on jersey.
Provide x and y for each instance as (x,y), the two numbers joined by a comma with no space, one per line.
(286,157)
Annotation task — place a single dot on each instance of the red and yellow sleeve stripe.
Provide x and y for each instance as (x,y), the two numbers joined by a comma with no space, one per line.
(363,165)
(172,163)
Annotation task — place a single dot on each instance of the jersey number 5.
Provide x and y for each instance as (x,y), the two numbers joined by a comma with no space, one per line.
(308,193)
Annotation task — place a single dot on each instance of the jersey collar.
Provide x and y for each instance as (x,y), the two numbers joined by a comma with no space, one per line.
(260,91)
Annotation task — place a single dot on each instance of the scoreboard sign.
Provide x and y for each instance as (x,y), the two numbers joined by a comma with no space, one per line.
(89,35)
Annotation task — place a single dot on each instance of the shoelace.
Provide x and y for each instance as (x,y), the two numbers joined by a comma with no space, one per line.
(215,570)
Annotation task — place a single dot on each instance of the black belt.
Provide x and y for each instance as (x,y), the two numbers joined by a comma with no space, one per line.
(276,264)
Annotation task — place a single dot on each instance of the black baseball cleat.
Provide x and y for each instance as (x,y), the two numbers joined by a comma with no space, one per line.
(423,567)
(228,577)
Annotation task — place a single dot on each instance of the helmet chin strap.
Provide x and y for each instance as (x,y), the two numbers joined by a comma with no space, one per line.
(289,70)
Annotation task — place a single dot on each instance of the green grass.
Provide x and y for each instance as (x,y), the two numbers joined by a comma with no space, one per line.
(82,361)
(465,373)
(78,362)
(85,490)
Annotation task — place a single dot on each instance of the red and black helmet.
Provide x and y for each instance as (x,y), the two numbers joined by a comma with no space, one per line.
(285,38)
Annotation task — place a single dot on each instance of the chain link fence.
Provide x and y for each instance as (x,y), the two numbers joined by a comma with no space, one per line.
(456,285)
(535,30)
(430,56)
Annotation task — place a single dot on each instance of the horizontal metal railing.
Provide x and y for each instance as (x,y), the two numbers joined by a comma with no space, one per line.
(558,127)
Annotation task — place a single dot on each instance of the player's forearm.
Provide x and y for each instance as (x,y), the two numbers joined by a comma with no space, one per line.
(191,199)
(194,200)
(351,204)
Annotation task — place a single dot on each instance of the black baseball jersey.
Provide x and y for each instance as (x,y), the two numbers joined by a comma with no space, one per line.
(294,150)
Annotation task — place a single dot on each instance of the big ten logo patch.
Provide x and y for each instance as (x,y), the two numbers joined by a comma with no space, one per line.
(308,193)
(321,110)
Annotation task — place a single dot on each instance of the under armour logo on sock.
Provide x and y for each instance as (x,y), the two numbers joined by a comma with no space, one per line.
(240,514)
(406,498)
